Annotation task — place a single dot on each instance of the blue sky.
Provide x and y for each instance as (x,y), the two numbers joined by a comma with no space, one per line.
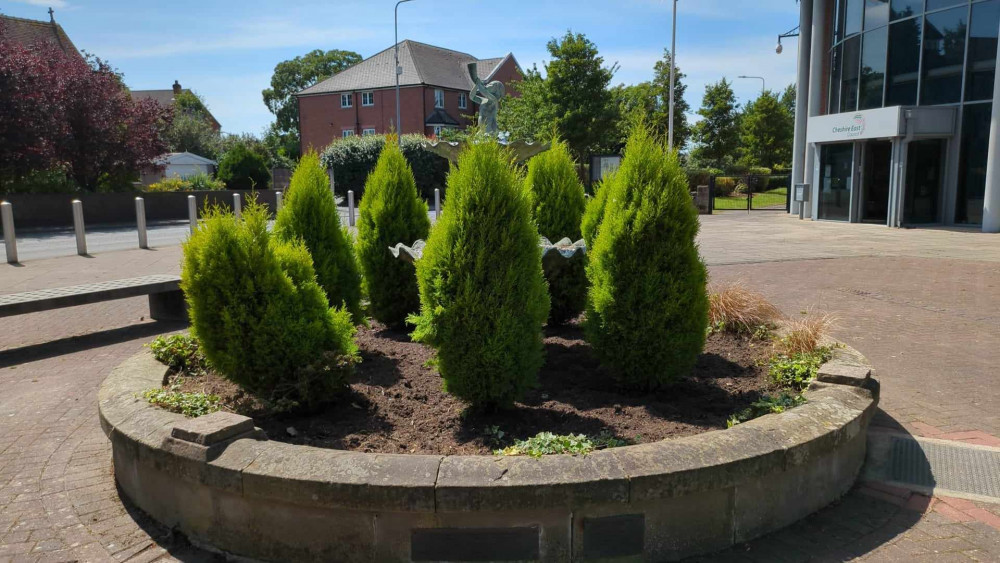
(225,50)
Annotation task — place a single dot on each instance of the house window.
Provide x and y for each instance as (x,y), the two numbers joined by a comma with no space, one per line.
(367,98)
(438,129)
(346,100)
(462,101)
(368,131)
(439,98)
(347,133)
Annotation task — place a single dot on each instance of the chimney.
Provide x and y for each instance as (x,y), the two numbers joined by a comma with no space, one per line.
(177,87)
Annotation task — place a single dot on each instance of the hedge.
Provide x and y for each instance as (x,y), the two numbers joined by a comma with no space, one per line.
(352,159)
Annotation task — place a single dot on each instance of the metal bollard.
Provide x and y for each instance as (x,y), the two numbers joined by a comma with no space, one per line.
(277,202)
(350,208)
(193,212)
(9,240)
(437,204)
(140,222)
(81,234)
(237,206)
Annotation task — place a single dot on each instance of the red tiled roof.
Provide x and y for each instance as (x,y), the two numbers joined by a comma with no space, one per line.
(34,32)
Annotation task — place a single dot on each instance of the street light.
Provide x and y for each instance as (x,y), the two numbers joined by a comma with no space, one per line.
(763,85)
(673,78)
(399,70)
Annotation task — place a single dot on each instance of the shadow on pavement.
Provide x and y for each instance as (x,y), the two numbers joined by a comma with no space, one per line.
(73,344)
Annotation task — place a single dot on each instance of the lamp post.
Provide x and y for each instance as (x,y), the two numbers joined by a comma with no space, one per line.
(673,78)
(399,70)
(763,85)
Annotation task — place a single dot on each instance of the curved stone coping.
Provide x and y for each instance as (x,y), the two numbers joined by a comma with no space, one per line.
(739,463)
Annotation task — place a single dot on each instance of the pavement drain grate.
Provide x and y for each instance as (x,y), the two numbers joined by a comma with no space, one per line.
(960,468)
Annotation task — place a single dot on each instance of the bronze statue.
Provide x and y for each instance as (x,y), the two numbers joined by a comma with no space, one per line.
(488,97)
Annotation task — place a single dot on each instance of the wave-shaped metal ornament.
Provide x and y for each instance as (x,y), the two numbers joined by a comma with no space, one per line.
(521,150)
(565,247)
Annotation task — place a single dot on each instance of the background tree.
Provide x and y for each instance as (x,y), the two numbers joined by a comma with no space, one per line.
(192,129)
(577,92)
(660,118)
(767,129)
(788,99)
(718,133)
(292,76)
(527,116)
(241,168)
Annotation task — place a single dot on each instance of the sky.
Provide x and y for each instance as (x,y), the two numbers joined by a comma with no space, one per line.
(226,50)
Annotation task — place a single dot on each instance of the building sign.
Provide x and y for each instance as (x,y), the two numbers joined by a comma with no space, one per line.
(603,164)
(870,124)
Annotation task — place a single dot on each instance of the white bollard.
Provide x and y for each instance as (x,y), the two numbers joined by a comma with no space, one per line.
(9,240)
(193,213)
(81,235)
(437,204)
(140,222)
(350,208)
(237,206)
(277,202)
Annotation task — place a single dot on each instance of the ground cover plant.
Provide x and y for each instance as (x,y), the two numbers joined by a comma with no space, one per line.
(187,403)
(180,352)
(260,318)
(310,214)
(647,306)
(483,297)
(547,443)
(734,307)
(558,204)
(391,212)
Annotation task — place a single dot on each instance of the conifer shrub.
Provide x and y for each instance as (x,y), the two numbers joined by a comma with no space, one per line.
(482,292)
(391,212)
(310,214)
(647,309)
(558,204)
(594,212)
(259,316)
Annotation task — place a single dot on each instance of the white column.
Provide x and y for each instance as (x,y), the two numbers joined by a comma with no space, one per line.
(350,208)
(78,227)
(9,238)
(140,222)
(817,56)
(801,98)
(193,213)
(991,202)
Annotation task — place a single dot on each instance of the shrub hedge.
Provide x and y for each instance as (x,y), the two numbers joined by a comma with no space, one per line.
(310,214)
(482,292)
(243,169)
(260,317)
(647,310)
(353,159)
(558,204)
(390,212)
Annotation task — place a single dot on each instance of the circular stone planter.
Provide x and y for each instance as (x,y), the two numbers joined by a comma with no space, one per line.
(220,481)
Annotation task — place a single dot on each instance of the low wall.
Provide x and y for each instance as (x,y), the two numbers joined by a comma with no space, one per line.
(55,210)
(219,481)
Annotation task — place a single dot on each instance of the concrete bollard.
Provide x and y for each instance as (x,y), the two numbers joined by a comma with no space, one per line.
(437,204)
(81,234)
(9,240)
(350,208)
(193,212)
(237,206)
(140,222)
(277,202)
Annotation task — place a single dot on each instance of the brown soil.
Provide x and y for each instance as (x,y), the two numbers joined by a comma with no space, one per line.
(396,403)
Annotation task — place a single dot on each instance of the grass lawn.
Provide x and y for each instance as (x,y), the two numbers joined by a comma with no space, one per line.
(771,199)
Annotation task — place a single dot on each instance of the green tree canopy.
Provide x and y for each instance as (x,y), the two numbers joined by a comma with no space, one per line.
(660,119)
(292,76)
(766,134)
(718,133)
(527,116)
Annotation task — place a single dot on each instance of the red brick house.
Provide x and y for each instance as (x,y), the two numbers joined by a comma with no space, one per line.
(433,92)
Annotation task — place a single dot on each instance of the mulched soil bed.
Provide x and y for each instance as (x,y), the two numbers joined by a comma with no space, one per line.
(396,403)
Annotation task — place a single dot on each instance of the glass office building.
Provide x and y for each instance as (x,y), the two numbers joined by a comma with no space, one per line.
(896,125)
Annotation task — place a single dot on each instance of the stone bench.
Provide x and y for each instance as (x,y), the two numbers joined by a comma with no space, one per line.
(166,300)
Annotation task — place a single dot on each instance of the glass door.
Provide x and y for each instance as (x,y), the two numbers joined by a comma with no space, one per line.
(923,181)
(836,181)
(878,167)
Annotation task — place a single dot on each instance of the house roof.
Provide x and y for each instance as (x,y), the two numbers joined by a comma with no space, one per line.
(34,32)
(441,117)
(182,158)
(166,99)
(422,64)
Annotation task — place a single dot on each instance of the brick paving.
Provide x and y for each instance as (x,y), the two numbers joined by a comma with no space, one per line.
(922,305)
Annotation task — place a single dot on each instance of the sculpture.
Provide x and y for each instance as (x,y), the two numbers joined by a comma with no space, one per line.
(565,248)
(488,97)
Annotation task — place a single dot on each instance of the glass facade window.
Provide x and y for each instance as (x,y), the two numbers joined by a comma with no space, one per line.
(850,74)
(853,14)
(938,4)
(836,179)
(873,57)
(835,63)
(982,62)
(972,164)
(904,62)
(899,9)
(876,13)
(944,55)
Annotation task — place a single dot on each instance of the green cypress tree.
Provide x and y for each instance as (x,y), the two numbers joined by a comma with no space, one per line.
(310,214)
(647,309)
(594,212)
(482,292)
(390,212)
(558,203)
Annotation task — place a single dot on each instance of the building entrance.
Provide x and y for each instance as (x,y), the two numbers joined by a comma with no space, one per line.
(876,180)
(923,182)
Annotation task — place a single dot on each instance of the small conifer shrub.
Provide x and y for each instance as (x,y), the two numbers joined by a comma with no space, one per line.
(647,309)
(391,212)
(310,215)
(594,212)
(257,312)
(558,203)
(483,298)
